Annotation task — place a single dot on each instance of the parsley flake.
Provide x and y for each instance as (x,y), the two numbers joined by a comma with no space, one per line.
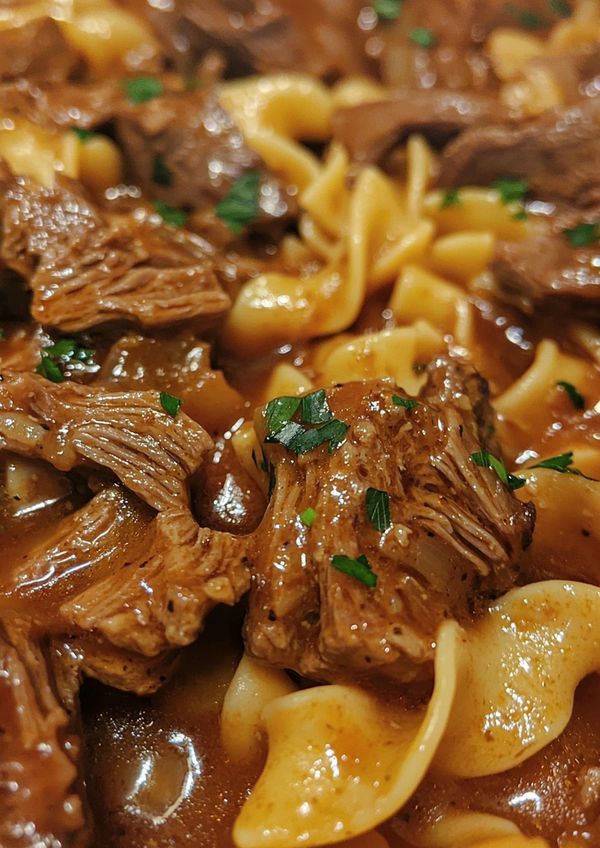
(387,10)
(510,189)
(143,89)
(314,408)
(377,504)
(333,431)
(170,403)
(561,463)
(286,434)
(171,216)
(583,235)
(82,134)
(526,17)
(520,215)
(486,460)
(161,173)
(562,8)
(422,37)
(308,516)
(240,205)
(358,568)
(408,403)
(279,411)
(60,355)
(575,397)
(450,198)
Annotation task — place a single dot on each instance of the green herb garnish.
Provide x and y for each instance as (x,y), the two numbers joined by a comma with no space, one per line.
(562,464)
(422,37)
(387,10)
(408,403)
(333,431)
(358,568)
(511,190)
(450,198)
(582,235)
(171,216)
(142,89)
(575,397)
(286,434)
(161,174)
(82,134)
(61,354)
(170,403)
(526,17)
(308,516)
(240,205)
(279,411)
(520,215)
(377,504)
(486,460)
(562,8)
(314,408)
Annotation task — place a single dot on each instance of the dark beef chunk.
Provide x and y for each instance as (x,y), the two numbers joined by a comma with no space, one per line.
(370,130)
(86,267)
(200,152)
(557,153)
(38,752)
(64,104)
(320,38)
(37,50)
(545,267)
(455,541)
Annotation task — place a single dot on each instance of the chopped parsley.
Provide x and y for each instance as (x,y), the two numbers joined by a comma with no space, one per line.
(142,89)
(378,509)
(170,403)
(562,8)
(575,397)
(171,216)
(510,189)
(408,403)
(161,174)
(487,460)
(308,516)
(561,463)
(422,37)
(279,411)
(387,10)
(583,235)
(358,568)
(2,334)
(60,355)
(240,205)
(520,215)
(314,408)
(526,17)
(82,134)
(450,198)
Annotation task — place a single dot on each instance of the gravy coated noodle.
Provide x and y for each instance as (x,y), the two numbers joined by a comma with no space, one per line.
(339,406)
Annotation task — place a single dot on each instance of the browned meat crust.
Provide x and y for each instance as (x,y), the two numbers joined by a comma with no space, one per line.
(37,50)
(86,267)
(455,541)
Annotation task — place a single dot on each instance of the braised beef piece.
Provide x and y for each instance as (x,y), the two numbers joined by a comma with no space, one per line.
(455,541)
(39,804)
(320,38)
(86,105)
(557,153)
(546,267)
(37,50)
(186,150)
(86,267)
(370,130)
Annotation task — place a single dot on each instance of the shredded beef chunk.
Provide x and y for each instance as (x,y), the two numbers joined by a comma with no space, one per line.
(548,266)
(37,50)
(186,150)
(454,541)
(86,267)
(38,753)
(370,130)
(558,153)
(63,104)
